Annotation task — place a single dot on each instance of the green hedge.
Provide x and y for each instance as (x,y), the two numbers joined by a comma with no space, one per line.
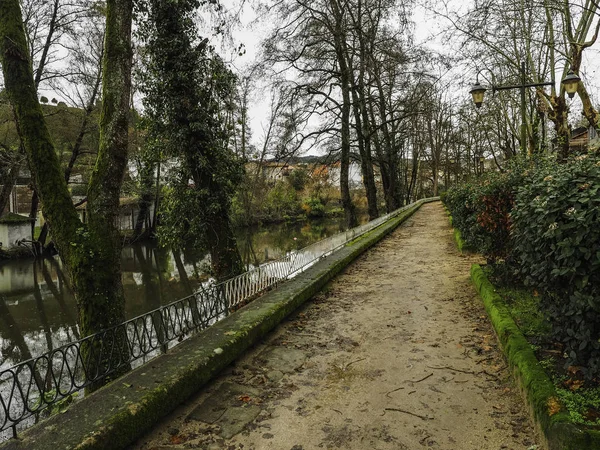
(556,239)
(543,219)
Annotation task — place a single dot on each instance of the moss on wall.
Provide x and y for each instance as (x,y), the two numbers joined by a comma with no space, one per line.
(551,418)
(118,414)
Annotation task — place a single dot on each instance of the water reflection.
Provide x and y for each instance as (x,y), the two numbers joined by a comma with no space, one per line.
(38,311)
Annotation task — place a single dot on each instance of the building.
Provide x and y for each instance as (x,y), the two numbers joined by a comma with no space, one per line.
(581,138)
(14,229)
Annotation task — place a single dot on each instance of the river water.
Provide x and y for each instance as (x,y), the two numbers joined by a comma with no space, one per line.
(38,311)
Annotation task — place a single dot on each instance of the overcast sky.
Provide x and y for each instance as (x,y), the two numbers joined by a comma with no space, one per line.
(427,32)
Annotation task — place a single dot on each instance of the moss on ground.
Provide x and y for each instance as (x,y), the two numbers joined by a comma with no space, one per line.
(121,412)
(543,399)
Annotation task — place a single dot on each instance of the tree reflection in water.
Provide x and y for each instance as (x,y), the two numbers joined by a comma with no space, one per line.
(38,311)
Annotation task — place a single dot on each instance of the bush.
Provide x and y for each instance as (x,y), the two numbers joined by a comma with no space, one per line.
(313,207)
(556,238)
(282,201)
(298,179)
(461,200)
(481,208)
(481,212)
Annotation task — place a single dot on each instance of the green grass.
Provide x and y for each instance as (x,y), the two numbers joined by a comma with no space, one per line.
(525,310)
(582,403)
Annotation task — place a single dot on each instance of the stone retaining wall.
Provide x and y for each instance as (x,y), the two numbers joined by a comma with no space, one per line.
(120,413)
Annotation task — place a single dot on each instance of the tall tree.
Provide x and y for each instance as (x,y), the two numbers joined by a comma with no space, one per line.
(91,253)
(187,86)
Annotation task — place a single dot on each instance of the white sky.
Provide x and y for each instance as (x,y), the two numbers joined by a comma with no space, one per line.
(427,29)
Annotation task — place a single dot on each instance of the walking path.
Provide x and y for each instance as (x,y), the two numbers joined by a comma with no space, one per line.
(396,353)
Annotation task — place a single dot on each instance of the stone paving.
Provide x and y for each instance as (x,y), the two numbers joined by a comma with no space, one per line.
(396,353)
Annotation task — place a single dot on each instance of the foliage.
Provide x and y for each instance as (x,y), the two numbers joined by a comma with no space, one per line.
(522,302)
(461,202)
(298,179)
(481,208)
(556,238)
(542,217)
(188,89)
(282,201)
(313,207)
(583,404)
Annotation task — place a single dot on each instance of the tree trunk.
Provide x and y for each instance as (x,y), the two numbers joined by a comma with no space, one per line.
(558,116)
(366,164)
(226,261)
(88,255)
(107,177)
(339,39)
(363,127)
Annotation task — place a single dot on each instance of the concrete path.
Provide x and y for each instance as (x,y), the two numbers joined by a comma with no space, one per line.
(396,353)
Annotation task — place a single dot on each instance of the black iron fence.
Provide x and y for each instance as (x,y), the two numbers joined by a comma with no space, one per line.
(43,385)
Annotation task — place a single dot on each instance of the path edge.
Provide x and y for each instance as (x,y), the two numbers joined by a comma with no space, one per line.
(120,413)
(558,432)
(461,245)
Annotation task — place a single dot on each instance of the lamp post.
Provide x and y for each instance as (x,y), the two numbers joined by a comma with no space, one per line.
(478,93)
(571,83)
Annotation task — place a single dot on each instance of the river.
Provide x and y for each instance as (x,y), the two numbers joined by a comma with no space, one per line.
(38,311)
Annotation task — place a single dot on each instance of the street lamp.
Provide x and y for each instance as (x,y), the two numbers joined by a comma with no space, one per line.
(478,92)
(571,82)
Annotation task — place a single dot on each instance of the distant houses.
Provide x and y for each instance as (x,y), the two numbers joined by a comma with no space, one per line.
(581,138)
(273,171)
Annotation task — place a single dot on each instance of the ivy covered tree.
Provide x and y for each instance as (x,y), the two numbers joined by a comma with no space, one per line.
(91,253)
(187,88)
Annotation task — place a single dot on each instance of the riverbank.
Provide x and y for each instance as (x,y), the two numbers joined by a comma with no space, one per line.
(395,353)
(127,407)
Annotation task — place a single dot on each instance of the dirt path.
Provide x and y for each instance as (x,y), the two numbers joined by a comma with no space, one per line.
(395,354)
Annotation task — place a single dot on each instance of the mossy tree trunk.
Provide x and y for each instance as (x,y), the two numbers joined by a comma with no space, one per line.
(90,254)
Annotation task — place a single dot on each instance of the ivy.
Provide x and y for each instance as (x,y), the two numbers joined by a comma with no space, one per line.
(187,91)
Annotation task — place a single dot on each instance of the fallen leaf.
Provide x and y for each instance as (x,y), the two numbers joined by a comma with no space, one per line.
(177,439)
(244,398)
(553,406)
(574,384)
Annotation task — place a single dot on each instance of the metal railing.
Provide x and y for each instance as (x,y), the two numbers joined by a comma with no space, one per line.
(44,384)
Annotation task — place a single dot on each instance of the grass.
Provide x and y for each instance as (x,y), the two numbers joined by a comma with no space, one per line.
(581,401)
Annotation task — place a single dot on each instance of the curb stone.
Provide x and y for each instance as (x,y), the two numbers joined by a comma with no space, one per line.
(557,430)
(118,414)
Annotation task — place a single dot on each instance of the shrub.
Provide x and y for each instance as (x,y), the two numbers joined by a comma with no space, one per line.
(298,179)
(556,238)
(313,207)
(481,208)
(461,200)
(282,201)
